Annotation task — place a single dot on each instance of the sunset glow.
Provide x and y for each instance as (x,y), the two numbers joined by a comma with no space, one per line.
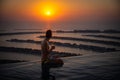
(46,10)
(59,10)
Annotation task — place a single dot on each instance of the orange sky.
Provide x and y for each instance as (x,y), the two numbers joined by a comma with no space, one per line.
(60,9)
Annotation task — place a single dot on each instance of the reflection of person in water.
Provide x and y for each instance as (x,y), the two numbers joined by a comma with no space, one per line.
(45,50)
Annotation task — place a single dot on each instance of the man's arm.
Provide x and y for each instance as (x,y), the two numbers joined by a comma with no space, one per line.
(51,49)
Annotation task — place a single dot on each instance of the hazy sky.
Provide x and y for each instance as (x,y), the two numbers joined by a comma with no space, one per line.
(63,10)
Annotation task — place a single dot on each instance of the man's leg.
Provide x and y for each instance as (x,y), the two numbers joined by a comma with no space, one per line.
(45,71)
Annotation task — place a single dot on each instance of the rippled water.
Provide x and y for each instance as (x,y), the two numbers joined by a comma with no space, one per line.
(3,42)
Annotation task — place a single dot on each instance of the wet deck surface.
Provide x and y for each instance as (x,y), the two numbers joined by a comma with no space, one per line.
(105,66)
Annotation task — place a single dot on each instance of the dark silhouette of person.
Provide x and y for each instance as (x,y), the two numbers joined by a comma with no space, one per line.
(46,49)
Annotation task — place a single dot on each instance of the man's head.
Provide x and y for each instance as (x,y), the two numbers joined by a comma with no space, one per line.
(48,34)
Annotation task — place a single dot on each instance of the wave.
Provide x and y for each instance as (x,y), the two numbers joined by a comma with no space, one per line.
(19,33)
(80,46)
(6,61)
(104,36)
(34,51)
(61,31)
(113,43)
(90,31)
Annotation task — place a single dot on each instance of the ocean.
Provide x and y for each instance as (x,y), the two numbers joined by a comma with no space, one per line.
(59,48)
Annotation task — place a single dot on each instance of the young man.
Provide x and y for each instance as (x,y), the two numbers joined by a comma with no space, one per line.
(46,50)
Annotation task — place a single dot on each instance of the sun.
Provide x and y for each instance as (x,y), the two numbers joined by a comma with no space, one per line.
(48,10)
(48,13)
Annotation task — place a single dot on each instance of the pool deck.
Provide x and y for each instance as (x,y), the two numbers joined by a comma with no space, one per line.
(103,66)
